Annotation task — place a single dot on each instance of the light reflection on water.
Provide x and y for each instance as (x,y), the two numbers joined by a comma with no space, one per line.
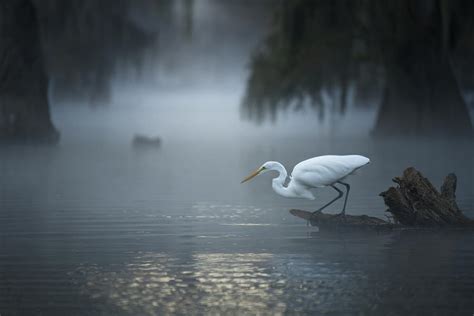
(325,273)
(215,282)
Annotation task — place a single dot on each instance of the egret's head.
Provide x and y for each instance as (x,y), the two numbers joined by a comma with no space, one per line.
(265,167)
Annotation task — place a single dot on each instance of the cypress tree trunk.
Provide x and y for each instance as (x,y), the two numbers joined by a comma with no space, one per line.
(422,96)
(423,99)
(24,109)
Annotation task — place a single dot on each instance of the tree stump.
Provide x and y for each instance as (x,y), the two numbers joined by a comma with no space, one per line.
(416,202)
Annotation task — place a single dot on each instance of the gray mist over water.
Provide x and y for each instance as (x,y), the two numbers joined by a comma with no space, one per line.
(97,226)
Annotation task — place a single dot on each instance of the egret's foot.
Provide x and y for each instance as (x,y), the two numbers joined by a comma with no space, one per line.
(308,222)
(343,214)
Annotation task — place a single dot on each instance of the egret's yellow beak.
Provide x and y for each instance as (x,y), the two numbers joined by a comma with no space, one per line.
(253,174)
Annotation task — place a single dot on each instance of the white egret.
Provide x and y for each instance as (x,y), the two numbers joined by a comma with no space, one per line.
(317,172)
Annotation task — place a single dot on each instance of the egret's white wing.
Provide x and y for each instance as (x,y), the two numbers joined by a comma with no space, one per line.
(325,170)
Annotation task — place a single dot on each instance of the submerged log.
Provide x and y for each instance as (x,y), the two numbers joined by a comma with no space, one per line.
(330,221)
(142,141)
(415,202)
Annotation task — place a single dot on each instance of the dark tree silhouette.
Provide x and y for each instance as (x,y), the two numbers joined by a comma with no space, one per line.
(411,47)
(24,109)
(421,94)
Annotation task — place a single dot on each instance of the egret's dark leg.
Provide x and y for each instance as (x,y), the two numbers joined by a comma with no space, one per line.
(339,195)
(348,188)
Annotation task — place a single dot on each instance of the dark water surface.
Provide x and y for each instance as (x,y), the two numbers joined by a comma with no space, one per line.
(91,228)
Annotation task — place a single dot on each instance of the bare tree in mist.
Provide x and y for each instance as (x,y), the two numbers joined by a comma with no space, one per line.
(405,51)
(85,41)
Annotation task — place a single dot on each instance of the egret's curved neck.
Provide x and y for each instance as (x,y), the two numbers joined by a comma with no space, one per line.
(278,182)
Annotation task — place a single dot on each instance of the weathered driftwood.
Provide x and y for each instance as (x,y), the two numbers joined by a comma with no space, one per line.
(415,202)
